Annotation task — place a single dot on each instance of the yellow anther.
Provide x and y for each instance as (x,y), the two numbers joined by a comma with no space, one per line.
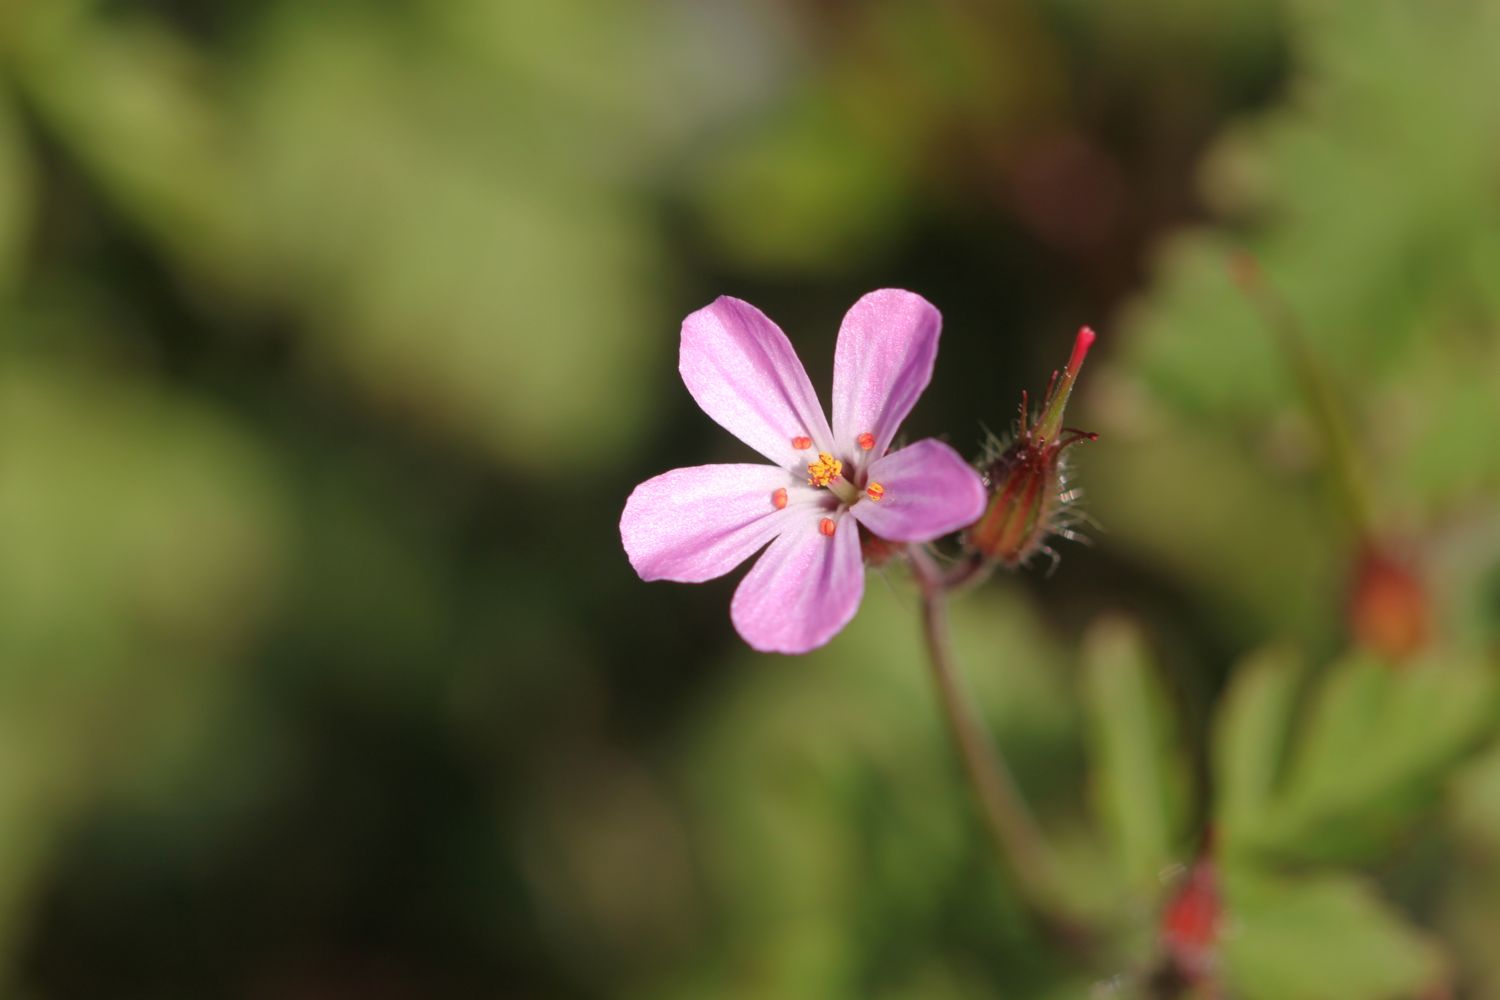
(875,491)
(824,471)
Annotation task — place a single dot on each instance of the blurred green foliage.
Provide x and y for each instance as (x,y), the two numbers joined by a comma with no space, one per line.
(332,337)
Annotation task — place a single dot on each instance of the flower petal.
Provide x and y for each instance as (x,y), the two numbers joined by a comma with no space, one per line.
(928,491)
(743,372)
(804,588)
(887,345)
(694,524)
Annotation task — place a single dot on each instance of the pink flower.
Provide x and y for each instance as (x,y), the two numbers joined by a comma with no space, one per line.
(698,523)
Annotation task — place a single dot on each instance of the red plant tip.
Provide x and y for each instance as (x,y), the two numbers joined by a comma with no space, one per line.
(1388,606)
(1081,345)
(1191,924)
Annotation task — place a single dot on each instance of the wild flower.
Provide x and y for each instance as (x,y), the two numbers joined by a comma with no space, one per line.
(823,482)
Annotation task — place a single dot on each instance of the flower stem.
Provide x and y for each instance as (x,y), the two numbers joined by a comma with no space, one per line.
(1016,836)
(1329,418)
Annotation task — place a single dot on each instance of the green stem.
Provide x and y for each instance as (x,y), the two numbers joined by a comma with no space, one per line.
(1318,395)
(1016,836)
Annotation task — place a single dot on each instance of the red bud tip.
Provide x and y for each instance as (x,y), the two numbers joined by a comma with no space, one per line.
(1389,609)
(1192,922)
(1081,345)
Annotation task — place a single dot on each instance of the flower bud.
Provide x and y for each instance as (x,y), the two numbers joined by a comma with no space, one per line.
(1388,605)
(1027,479)
(1191,925)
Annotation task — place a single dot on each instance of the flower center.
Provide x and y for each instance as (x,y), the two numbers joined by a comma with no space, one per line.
(824,471)
(828,472)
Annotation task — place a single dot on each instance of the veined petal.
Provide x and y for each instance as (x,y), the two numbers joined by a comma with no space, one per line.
(743,372)
(926,491)
(697,523)
(804,588)
(887,345)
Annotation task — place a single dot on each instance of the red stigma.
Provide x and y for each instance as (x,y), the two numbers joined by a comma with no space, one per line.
(1081,345)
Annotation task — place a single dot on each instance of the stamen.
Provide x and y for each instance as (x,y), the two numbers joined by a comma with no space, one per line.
(875,491)
(801,443)
(866,440)
(826,526)
(824,471)
(778,499)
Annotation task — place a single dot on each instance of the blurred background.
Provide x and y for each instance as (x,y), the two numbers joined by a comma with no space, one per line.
(334,335)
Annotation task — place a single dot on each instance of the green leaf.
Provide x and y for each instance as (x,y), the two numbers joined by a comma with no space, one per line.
(504,292)
(142,535)
(1377,740)
(1369,753)
(1316,938)
(16,196)
(134,108)
(139,529)
(1139,783)
(1250,741)
(839,839)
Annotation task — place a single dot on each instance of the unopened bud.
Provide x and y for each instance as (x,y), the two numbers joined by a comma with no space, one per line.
(1388,607)
(1191,924)
(1027,478)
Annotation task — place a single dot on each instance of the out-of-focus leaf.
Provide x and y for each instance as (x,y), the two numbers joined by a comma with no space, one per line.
(1250,742)
(1474,802)
(1139,783)
(1377,737)
(1470,921)
(824,179)
(16,194)
(140,536)
(131,524)
(1319,168)
(1430,453)
(1366,756)
(804,190)
(450,256)
(1318,937)
(1377,243)
(462,237)
(135,108)
(834,821)
(1179,495)
(637,80)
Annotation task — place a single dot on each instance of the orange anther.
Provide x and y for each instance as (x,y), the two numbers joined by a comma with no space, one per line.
(778,499)
(801,443)
(826,526)
(824,471)
(875,491)
(866,440)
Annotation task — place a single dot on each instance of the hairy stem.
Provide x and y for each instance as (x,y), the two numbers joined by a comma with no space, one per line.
(1016,836)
